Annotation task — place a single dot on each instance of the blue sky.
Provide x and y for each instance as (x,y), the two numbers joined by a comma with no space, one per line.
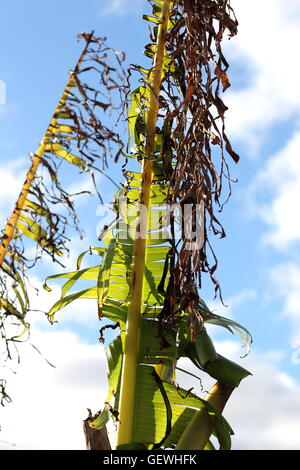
(259,261)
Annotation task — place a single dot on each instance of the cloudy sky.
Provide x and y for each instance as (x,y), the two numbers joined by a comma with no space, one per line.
(259,261)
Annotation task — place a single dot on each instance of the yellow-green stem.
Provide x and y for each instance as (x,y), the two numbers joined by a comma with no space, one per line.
(199,430)
(9,231)
(130,358)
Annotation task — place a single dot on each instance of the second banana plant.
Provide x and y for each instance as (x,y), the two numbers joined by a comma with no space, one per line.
(149,280)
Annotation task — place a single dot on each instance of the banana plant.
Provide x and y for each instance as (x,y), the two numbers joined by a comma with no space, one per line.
(45,211)
(148,279)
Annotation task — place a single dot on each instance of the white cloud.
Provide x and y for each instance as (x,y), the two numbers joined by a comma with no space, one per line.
(274,195)
(264,52)
(285,279)
(119,7)
(265,410)
(49,404)
(274,198)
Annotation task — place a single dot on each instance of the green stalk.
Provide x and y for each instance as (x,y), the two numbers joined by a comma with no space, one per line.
(199,430)
(130,357)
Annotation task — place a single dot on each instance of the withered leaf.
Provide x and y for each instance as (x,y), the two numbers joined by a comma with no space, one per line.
(224,78)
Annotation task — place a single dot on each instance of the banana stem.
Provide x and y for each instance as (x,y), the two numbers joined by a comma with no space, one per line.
(197,433)
(130,358)
(9,231)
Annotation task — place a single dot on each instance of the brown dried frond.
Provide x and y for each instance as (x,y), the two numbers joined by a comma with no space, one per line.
(198,136)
